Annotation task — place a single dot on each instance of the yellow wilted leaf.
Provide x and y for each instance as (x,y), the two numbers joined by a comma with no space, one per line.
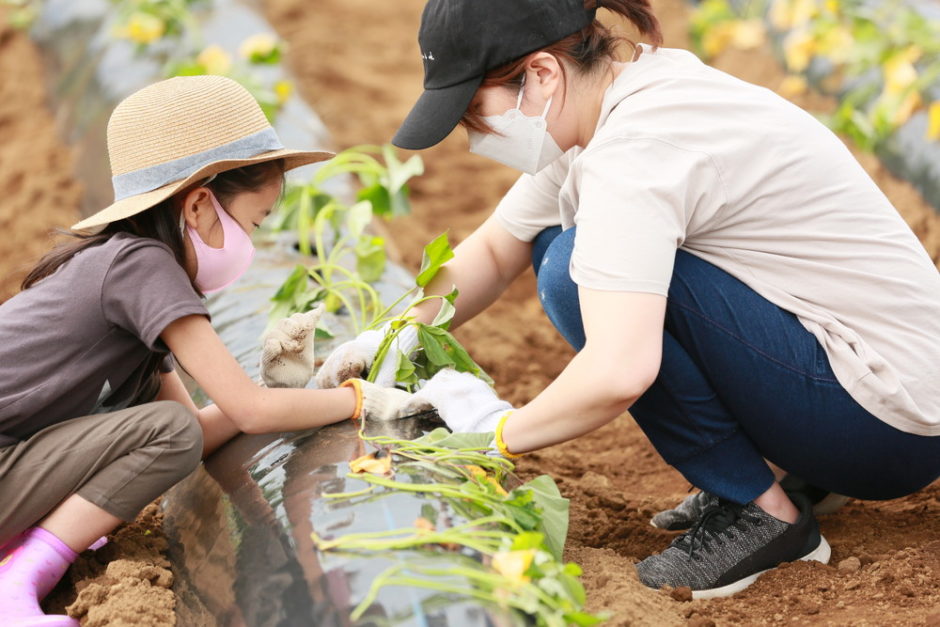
(933,122)
(423,525)
(798,49)
(835,43)
(717,38)
(787,14)
(792,85)
(260,45)
(283,90)
(369,463)
(215,60)
(748,34)
(143,28)
(513,564)
(899,70)
(906,108)
(476,471)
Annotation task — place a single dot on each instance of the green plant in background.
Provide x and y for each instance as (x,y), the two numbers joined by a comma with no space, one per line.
(22,12)
(147,21)
(339,234)
(150,24)
(508,553)
(882,59)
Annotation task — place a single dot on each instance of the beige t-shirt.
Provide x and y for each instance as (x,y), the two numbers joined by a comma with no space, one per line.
(686,156)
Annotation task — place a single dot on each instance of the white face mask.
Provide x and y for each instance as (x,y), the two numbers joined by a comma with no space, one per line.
(521,141)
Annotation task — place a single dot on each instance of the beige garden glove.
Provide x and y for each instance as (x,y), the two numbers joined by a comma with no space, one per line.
(287,359)
(353,358)
(374,402)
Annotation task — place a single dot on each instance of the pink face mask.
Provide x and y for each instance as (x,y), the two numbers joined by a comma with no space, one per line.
(217,268)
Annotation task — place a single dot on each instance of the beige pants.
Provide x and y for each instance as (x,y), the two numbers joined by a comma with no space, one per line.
(119,461)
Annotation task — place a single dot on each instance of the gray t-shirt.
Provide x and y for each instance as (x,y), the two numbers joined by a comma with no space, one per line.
(87,339)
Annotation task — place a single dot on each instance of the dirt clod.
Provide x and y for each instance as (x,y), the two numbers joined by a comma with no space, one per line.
(850,565)
(682,594)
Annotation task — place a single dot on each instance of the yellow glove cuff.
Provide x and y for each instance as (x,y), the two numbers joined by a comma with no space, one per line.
(500,443)
(356,385)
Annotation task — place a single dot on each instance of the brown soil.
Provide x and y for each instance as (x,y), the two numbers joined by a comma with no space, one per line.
(363,81)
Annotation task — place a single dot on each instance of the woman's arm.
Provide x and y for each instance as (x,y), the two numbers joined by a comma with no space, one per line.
(249,407)
(483,266)
(618,363)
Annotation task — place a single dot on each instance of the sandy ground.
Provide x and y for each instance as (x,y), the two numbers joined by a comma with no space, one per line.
(362,82)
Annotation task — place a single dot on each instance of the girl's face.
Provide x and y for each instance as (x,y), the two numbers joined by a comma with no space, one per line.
(248,209)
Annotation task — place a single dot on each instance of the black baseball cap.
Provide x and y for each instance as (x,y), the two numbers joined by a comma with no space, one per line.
(462,40)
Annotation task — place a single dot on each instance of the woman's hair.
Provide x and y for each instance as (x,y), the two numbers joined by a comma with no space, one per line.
(160,222)
(585,50)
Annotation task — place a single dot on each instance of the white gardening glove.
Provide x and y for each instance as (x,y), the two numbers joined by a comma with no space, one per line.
(374,402)
(287,359)
(465,403)
(353,358)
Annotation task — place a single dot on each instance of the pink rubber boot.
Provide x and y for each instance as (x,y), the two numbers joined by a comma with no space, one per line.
(30,567)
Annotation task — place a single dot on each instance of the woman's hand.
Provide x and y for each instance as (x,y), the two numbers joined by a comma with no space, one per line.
(287,358)
(465,403)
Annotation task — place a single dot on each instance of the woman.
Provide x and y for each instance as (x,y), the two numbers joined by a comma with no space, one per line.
(725,268)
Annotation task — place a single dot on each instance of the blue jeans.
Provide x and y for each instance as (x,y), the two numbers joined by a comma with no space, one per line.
(742,381)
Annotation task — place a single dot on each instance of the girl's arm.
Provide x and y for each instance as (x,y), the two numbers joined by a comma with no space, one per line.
(483,266)
(238,399)
(620,360)
(217,428)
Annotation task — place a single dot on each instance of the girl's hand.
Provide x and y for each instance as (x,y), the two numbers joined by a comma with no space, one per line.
(287,359)
(353,358)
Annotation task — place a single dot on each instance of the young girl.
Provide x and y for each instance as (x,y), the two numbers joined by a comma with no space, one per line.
(94,421)
(725,268)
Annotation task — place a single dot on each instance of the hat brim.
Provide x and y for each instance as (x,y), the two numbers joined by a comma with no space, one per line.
(133,205)
(435,115)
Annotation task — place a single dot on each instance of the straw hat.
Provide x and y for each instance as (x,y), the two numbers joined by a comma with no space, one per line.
(174,133)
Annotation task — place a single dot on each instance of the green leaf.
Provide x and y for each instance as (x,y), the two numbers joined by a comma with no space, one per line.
(528,540)
(433,349)
(445,315)
(377,195)
(583,619)
(370,258)
(444,438)
(406,370)
(322,333)
(358,217)
(554,513)
(436,254)
(429,512)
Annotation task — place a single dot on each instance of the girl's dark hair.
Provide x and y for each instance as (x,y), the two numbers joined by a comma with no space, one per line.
(585,50)
(160,222)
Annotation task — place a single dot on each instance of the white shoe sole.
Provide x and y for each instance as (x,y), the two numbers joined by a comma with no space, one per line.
(821,553)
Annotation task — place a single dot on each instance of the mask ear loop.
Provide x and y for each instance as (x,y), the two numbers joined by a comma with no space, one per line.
(182,213)
(548,105)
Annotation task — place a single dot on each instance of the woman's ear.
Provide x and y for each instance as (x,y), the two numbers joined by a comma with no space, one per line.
(543,75)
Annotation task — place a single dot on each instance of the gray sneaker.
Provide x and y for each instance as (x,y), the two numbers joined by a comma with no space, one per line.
(684,515)
(730,546)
